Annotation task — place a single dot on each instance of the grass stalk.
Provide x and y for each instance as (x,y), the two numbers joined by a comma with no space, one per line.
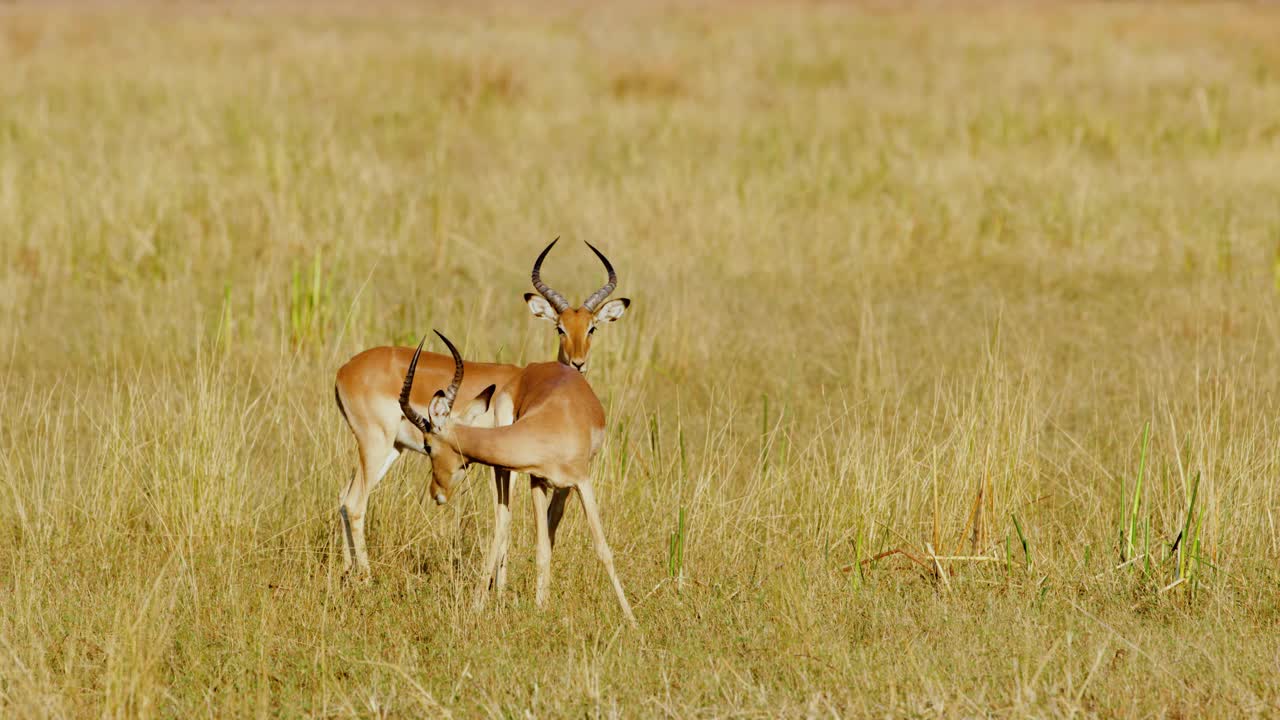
(1022,537)
(1184,564)
(1131,517)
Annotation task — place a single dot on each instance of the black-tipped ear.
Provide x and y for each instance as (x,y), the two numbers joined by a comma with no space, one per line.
(612,310)
(438,410)
(478,406)
(540,308)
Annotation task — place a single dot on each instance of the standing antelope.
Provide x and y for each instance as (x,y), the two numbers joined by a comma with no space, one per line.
(575,325)
(367,386)
(549,424)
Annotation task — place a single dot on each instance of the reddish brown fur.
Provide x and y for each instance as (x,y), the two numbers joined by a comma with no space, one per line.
(549,425)
(575,341)
(368,390)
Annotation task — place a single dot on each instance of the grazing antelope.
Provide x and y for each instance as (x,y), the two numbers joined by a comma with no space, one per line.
(368,384)
(546,422)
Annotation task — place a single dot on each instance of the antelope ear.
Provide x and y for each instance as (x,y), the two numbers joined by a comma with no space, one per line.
(478,406)
(438,410)
(613,310)
(541,308)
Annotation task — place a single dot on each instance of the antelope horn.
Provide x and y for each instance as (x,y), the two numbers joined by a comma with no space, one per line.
(598,296)
(412,415)
(451,392)
(556,299)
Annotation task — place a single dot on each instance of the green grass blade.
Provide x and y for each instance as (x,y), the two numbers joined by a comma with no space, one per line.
(1132,523)
(1022,537)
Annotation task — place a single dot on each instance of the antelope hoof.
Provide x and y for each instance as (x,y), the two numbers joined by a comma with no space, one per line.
(357,576)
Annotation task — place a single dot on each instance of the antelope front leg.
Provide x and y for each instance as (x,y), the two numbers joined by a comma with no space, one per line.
(504,541)
(556,511)
(588,497)
(539,490)
(495,575)
(376,459)
(504,414)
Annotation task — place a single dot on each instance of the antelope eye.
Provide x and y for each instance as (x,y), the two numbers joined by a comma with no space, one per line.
(559,330)
(592,331)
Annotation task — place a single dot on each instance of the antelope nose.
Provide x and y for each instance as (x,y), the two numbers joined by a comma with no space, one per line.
(577,364)
(440,498)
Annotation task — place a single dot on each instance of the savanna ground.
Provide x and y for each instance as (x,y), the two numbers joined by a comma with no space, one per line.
(900,276)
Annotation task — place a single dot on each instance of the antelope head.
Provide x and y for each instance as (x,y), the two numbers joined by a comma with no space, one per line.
(448,464)
(575,326)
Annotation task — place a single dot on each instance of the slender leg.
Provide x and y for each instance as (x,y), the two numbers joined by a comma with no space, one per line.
(344,526)
(556,511)
(504,414)
(503,542)
(495,562)
(540,490)
(376,458)
(588,497)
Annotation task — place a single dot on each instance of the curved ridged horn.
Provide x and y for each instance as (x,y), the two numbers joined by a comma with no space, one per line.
(598,296)
(412,415)
(451,392)
(556,299)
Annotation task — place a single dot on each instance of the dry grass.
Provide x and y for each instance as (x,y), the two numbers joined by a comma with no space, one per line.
(883,260)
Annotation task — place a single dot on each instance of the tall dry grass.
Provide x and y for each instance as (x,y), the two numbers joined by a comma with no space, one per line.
(900,277)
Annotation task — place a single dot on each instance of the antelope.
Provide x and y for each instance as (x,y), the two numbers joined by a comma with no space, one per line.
(367,385)
(546,422)
(575,326)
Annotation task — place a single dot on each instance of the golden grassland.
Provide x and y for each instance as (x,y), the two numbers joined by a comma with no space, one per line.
(903,278)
